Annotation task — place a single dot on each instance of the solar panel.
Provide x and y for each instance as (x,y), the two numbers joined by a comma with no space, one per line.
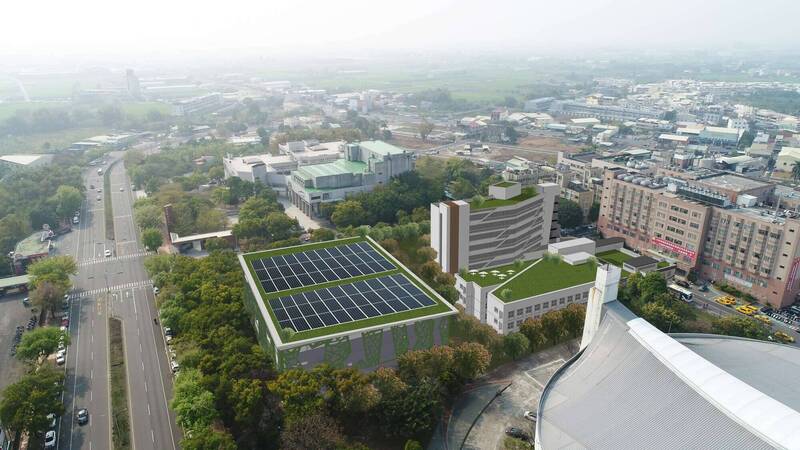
(282,272)
(346,303)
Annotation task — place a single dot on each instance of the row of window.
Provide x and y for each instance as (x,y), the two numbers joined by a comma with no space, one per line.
(523,314)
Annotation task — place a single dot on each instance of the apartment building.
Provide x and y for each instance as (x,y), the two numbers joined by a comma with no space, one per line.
(513,223)
(722,235)
(754,251)
(651,219)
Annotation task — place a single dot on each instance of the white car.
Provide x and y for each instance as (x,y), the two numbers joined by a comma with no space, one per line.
(107,253)
(175,367)
(62,358)
(122,189)
(155,290)
(52,420)
(530,415)
(50,439)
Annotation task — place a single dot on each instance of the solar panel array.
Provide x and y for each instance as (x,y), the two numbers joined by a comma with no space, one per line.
(349,302)
(282,272)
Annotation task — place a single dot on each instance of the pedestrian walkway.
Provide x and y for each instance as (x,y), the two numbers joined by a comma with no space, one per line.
(89,262)
(119,287)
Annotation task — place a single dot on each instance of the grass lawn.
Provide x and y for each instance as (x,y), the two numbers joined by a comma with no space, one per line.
(547,276)
(528,192)
(504,184)
(46,142)
(614,257)
(491,279)
(439,307)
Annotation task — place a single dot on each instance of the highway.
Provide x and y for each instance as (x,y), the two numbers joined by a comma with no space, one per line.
(115,286)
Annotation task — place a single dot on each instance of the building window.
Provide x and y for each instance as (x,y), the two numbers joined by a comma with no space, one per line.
(519,312)
(510,314)
(553,303)
(536,307)
(529,309)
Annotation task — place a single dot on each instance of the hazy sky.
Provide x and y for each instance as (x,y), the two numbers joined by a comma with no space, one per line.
(159,27)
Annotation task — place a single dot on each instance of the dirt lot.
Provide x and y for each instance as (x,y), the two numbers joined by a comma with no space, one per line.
(12,314)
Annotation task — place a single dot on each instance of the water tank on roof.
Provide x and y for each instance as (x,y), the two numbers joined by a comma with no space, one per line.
(621,176)
(631,163)
(628,177)
(641,166)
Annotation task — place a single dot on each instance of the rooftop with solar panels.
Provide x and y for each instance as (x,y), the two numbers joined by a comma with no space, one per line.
(321,289)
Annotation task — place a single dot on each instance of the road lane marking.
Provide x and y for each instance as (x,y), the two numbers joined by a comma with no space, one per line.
(145,385)
(148,409)
(142,366)
(152,436)
(91,375)
(161,375)
(92,356)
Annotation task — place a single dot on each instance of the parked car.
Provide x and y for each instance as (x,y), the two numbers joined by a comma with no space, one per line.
(50,439)
(517,433)
(107,253)
(52,419)
(530,415)
(155,290)
(61,357)
(83,416)
(168,331)
(175,366)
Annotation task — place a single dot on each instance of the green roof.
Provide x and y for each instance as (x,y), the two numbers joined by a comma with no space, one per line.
(614,257)
(546,275)
(491,279)
(338,167)
(527,193)
(381,148)
(264,298)
(32,245)
(504,184)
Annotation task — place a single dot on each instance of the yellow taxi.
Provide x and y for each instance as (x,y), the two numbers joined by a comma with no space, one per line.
(780,336)
(747,309)
(726,300)
(763,318)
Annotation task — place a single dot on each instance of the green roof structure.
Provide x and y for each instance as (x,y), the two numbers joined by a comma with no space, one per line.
(32,245)
(527,193)
(338,167)
(543,276)
(270,296)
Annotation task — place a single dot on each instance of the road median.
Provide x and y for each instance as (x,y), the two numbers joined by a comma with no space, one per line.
(108,207)
(120,414)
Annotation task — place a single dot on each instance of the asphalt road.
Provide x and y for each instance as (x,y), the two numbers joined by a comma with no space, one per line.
(113,286)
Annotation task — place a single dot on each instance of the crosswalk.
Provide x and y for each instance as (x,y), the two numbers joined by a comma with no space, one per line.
(89,262)
(119,287)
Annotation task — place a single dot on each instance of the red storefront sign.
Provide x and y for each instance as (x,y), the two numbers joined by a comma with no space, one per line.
(663,243)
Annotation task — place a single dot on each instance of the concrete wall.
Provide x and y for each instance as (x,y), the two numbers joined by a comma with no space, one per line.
(532,307)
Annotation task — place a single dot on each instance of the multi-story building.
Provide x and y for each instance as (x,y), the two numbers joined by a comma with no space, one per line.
(720,234)
(198,105)
(652,219)
(514,223)
(604,112)
(365,165)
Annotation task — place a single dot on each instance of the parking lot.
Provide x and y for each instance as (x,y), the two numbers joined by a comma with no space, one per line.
(12,315)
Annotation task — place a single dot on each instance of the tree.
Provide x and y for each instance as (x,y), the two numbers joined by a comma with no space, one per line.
(412,445)
(300,392)
(461,188)
(25,404)
(48,296)
(322,234)
(796,171)
(280,226)
(193,405)
(739,326)
(594,212)
(515,345)
(264,135)
(208,439)
(40,342)
(349,213)
(661,317)
(569,213)
(67,200)
(408,410)
(425,128)
(511,134)
(148,216)
(470,359)
(152,239)
(313,431)
(55,269)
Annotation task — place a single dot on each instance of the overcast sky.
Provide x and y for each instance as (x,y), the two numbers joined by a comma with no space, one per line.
(159,27)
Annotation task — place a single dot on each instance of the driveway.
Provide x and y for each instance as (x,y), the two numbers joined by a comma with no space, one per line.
(525,380)
(294,212)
